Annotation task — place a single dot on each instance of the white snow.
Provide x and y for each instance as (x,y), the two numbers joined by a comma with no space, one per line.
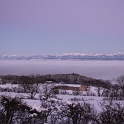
(9,85)
(70,85)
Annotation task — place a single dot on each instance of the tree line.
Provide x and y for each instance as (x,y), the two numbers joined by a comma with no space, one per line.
(72,78)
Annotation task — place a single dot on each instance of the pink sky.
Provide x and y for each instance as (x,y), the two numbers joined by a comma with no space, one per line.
(66,25)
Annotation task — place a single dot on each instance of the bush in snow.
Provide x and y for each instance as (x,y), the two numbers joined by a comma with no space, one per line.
(112,114)
(75,93)
(76,113)
(63,92)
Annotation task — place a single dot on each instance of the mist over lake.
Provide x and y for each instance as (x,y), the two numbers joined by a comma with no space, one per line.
(95,69)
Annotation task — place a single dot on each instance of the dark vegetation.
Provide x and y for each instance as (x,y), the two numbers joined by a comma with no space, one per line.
(14,111)
(56,78)
(30,84)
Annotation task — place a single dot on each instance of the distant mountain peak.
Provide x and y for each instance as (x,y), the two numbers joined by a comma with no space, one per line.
(67,56)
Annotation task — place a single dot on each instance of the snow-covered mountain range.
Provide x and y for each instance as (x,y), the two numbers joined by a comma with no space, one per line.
(67,56)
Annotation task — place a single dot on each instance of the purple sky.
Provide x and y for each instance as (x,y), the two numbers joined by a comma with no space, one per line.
(60,26)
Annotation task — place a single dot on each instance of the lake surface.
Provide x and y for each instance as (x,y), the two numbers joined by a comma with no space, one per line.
(95,69)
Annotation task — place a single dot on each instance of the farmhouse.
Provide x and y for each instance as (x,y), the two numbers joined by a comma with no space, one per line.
(72,87)
(83,88)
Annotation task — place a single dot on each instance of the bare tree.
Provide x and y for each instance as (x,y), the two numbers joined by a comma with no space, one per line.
(76,113)
(30,89)
(14,111)
(120,81)
(100,91)
(48,91)
(112,114)
(49,103)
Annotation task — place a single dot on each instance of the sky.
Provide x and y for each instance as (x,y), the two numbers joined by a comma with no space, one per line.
(61,26)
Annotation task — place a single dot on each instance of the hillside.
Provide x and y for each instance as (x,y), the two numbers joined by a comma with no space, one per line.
(56,78)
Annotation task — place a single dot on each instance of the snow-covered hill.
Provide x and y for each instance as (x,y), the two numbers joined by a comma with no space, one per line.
(67,56)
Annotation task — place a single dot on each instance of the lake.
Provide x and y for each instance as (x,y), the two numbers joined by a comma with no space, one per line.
(95,69)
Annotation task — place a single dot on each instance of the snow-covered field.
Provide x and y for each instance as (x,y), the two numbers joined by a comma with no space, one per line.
(59,106)
(94,69)
(85,96)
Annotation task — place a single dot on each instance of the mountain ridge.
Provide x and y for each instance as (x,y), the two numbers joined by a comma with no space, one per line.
(66,56)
